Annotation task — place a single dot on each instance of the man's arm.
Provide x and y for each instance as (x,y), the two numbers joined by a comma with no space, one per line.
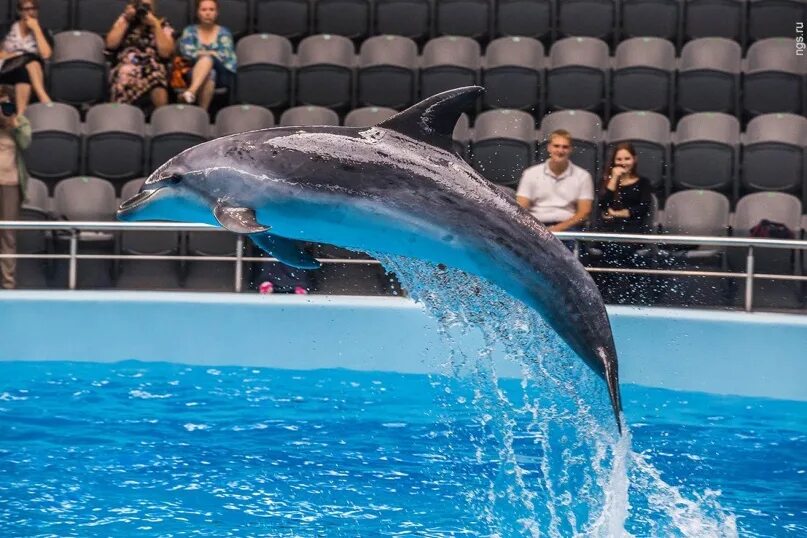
(524,202)
(580,216)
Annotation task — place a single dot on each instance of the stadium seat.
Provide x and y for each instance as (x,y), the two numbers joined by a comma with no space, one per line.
(86,199)
(235,16)
(240,118)
(287,18)
(449,62)
(706,153)
(308,115)
(325,71)
(525,18)
(175,128)
(587,18)
(406,18)
(264,73)
(773,78)
(709,76)
(467,18)
(503,145)
(368,116)
(115,142)
(644,71)
(587,130)
(578,74)
(697,212)
(98,15)
(77,73)
(348,18)
(714,18)
(55,15)
(775,18)
(462,136)
(387,73)
(176,12)
(55,150)
(514,74)
(147,274)
(211,275)
(34,273)
(649,132)
(652,18)
(773,154)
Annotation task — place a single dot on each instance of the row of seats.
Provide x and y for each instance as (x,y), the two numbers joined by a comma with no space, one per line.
(676,20)
(705,151)
(579,73)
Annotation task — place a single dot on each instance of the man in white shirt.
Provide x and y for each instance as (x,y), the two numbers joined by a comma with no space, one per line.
(557,192)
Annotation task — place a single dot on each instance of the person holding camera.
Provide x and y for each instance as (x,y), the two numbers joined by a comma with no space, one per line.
(26,46)
(15,136)
(142,43)
(210,49)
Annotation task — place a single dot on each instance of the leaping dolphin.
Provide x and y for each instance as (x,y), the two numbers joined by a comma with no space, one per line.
(396,188)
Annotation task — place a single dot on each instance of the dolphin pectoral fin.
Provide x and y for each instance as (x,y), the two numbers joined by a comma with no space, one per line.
(240,220)
(288,251)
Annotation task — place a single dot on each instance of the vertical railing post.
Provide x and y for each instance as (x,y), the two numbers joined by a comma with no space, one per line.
(239,262)
(749,279)
(73,262)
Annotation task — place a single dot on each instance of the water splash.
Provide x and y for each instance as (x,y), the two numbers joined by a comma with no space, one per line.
(548,462)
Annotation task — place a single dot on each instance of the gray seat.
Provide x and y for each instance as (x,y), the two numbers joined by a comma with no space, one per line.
(235,16)
(526,18)
(34,273)
(709,76)
(264,73)
(175,128)
(773,154)
(587,131)
(406,18)
(287,18)
(368,116)
(98,15)
(177,12)
(211,275)
(55,150)
(147,274)
(589,18)
(115,143)
(697,212)
(775,18)
(644,71)
(468,18)
(308,115)
(649,132)
(578,74)
(714,18)
(86,199)
(349,18)
(55,15)
(514,74)
(325,71)
(503,145)
(449,62)
(462,136)
(77,73)
(706,153)
(773,78)
(652,18)
(241,118)
(387,73)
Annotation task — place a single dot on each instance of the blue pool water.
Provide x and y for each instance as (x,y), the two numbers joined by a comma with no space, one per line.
(135,449)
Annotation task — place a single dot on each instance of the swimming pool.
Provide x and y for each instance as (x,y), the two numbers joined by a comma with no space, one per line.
(314,416)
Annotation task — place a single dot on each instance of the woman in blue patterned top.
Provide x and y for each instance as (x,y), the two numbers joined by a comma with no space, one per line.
(210,49)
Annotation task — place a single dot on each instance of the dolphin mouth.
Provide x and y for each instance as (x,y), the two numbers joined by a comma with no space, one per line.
(133,203)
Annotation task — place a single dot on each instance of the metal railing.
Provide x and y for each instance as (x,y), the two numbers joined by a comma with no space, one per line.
(73,229)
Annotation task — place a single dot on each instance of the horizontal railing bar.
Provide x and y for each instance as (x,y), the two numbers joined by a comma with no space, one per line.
(680,272)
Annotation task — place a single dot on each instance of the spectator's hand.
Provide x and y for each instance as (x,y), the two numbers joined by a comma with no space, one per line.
(617,172)
(554,228)
(6,55)
(129,12)
(152,20)
(31,22)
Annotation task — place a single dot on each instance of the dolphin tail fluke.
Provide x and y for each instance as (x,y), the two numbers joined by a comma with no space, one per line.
(612,380)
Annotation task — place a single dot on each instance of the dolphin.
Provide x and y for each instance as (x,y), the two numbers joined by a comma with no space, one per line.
(396,188)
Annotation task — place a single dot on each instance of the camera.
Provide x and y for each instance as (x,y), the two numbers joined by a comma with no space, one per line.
(141,10)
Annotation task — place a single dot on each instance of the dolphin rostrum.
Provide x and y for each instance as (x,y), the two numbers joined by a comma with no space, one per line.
(396,188)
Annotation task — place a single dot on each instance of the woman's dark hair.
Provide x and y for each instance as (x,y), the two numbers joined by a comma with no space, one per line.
(21,3)
(627,146)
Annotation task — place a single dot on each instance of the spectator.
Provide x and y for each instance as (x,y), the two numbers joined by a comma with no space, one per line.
(210,49)
(557,192)
(15,135)
(26,46)
(142,43)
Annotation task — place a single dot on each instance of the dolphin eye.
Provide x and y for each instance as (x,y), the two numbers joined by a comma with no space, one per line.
(172,179)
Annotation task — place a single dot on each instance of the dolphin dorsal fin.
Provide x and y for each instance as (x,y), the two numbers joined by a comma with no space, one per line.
(433,119)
